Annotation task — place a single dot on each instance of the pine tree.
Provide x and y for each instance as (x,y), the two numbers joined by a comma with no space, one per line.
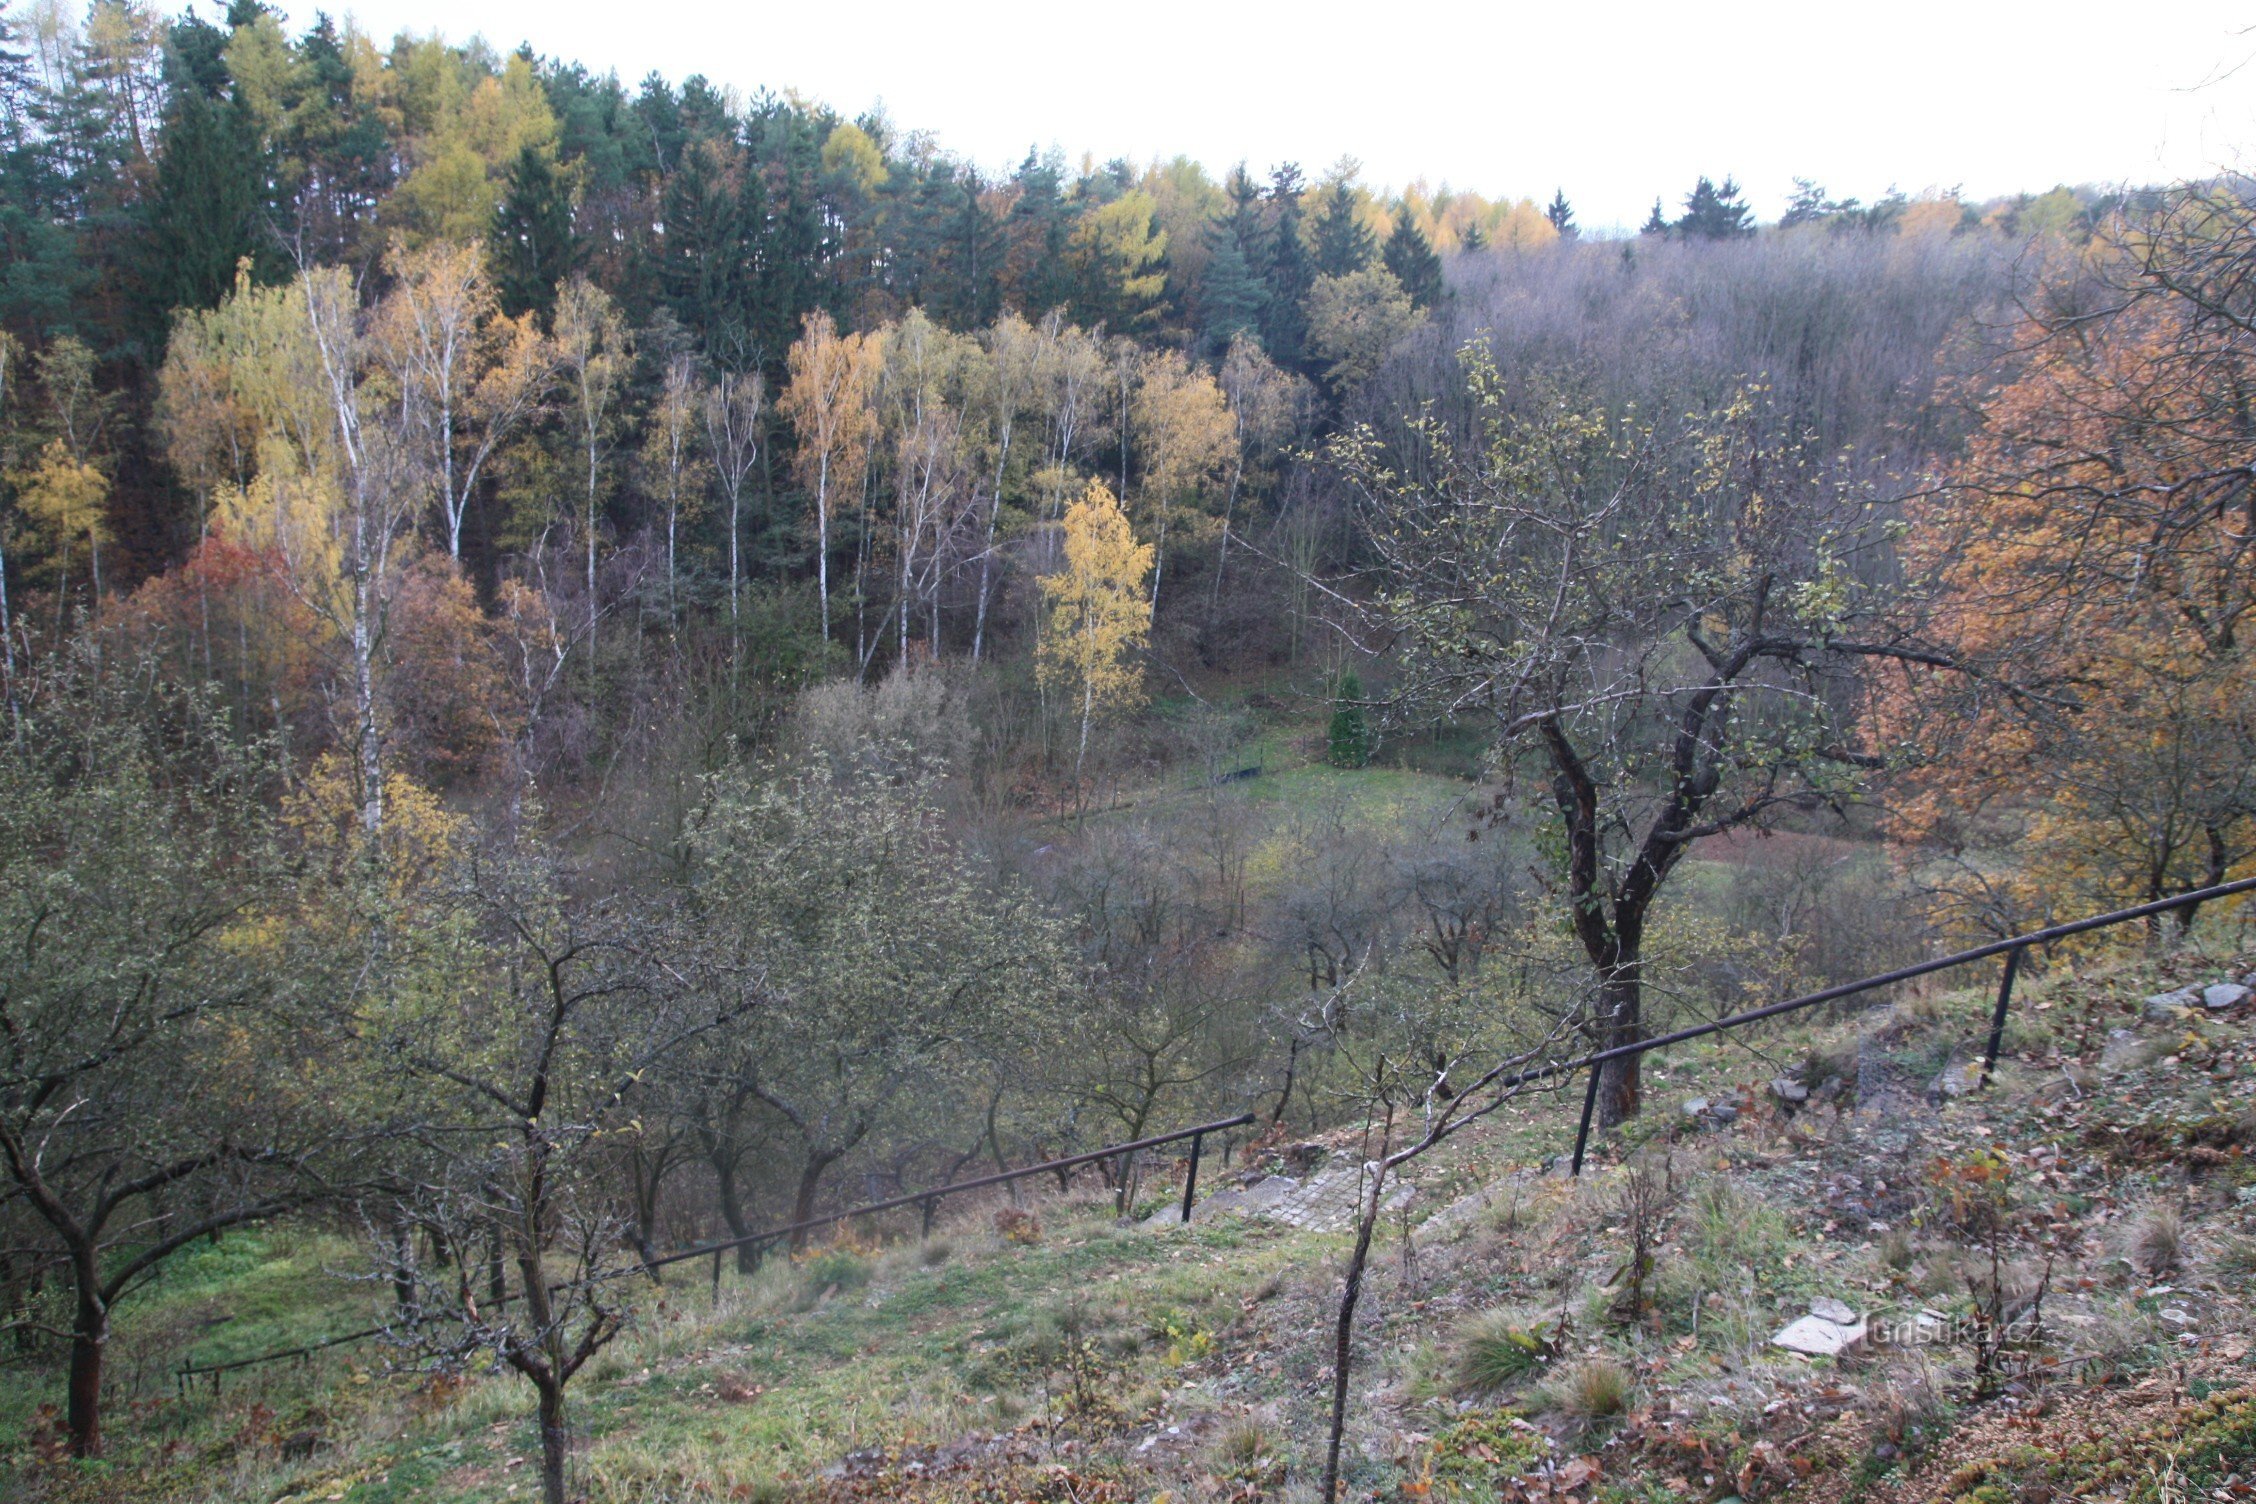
(1474,238)
(532,248)
(1561,215)
(1712,213)
(1656,223)
(1344,244)
(1412,260)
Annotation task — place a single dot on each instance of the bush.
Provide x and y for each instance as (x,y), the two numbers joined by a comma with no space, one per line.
(827,1270)
(1017,1225)
(1348,743)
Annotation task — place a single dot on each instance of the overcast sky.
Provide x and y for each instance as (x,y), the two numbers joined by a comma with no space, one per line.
(1614,102)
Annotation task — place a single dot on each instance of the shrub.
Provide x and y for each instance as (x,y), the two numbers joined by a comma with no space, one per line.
(826,1271)
(1017,1225)
(1348,743)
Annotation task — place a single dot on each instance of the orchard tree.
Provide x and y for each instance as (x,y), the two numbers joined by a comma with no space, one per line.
(1669,625)
(522,1030)
(139,883)
(893,969)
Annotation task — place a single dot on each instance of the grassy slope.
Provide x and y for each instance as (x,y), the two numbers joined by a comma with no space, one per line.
(1082,1351)
(1196,1361)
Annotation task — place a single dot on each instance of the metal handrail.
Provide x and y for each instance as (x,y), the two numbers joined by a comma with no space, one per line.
(926,1200)
(2011,948)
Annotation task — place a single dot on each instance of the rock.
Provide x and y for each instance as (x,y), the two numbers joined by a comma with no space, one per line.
(1825,1308)
(1819,1338)
(2168,1005)
(1696,1107)
(2223,995)
(1787,1089)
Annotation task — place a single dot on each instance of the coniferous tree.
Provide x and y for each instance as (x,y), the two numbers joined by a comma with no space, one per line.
(1037,230)
(532,248)
(204,216)
(1561,215)
(968,288)
(1656,223)
(1344,244)
(708,254)
(1411,258)
(1289,275)
(1347,744)
(1231,296)
(1713,213)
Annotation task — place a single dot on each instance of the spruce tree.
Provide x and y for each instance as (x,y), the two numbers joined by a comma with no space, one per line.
(1713,213)
(1412,260)
(1285,329)
(1231,296)
(1347,744)
(1656,223)
(532,247)
(205,211)
(1344,244)
(1561,215)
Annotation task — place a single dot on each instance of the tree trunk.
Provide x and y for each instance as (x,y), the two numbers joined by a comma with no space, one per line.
(1620,1022)
(1343,1336)
(90,1334)
(803,1199)
(732,1212)
(556,1443)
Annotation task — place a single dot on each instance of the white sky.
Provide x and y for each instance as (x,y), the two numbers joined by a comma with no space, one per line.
(1615,102)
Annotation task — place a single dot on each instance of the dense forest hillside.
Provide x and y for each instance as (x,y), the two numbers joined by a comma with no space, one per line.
(592,669)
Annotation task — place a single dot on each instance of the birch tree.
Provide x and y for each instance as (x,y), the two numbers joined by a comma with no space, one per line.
(1098,620)
(732,410)
(592,352)
(473,376)
(833,379)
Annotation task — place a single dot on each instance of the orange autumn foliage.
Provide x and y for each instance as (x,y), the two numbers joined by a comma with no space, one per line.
(2093,550)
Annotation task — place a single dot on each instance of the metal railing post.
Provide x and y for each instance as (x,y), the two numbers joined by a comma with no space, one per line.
(1190,1180)
(1997,1018)
(1589,1106)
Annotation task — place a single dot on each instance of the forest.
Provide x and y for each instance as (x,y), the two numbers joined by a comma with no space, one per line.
(594,667)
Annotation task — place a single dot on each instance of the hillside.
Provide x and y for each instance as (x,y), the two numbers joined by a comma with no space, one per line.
(1506,1353)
